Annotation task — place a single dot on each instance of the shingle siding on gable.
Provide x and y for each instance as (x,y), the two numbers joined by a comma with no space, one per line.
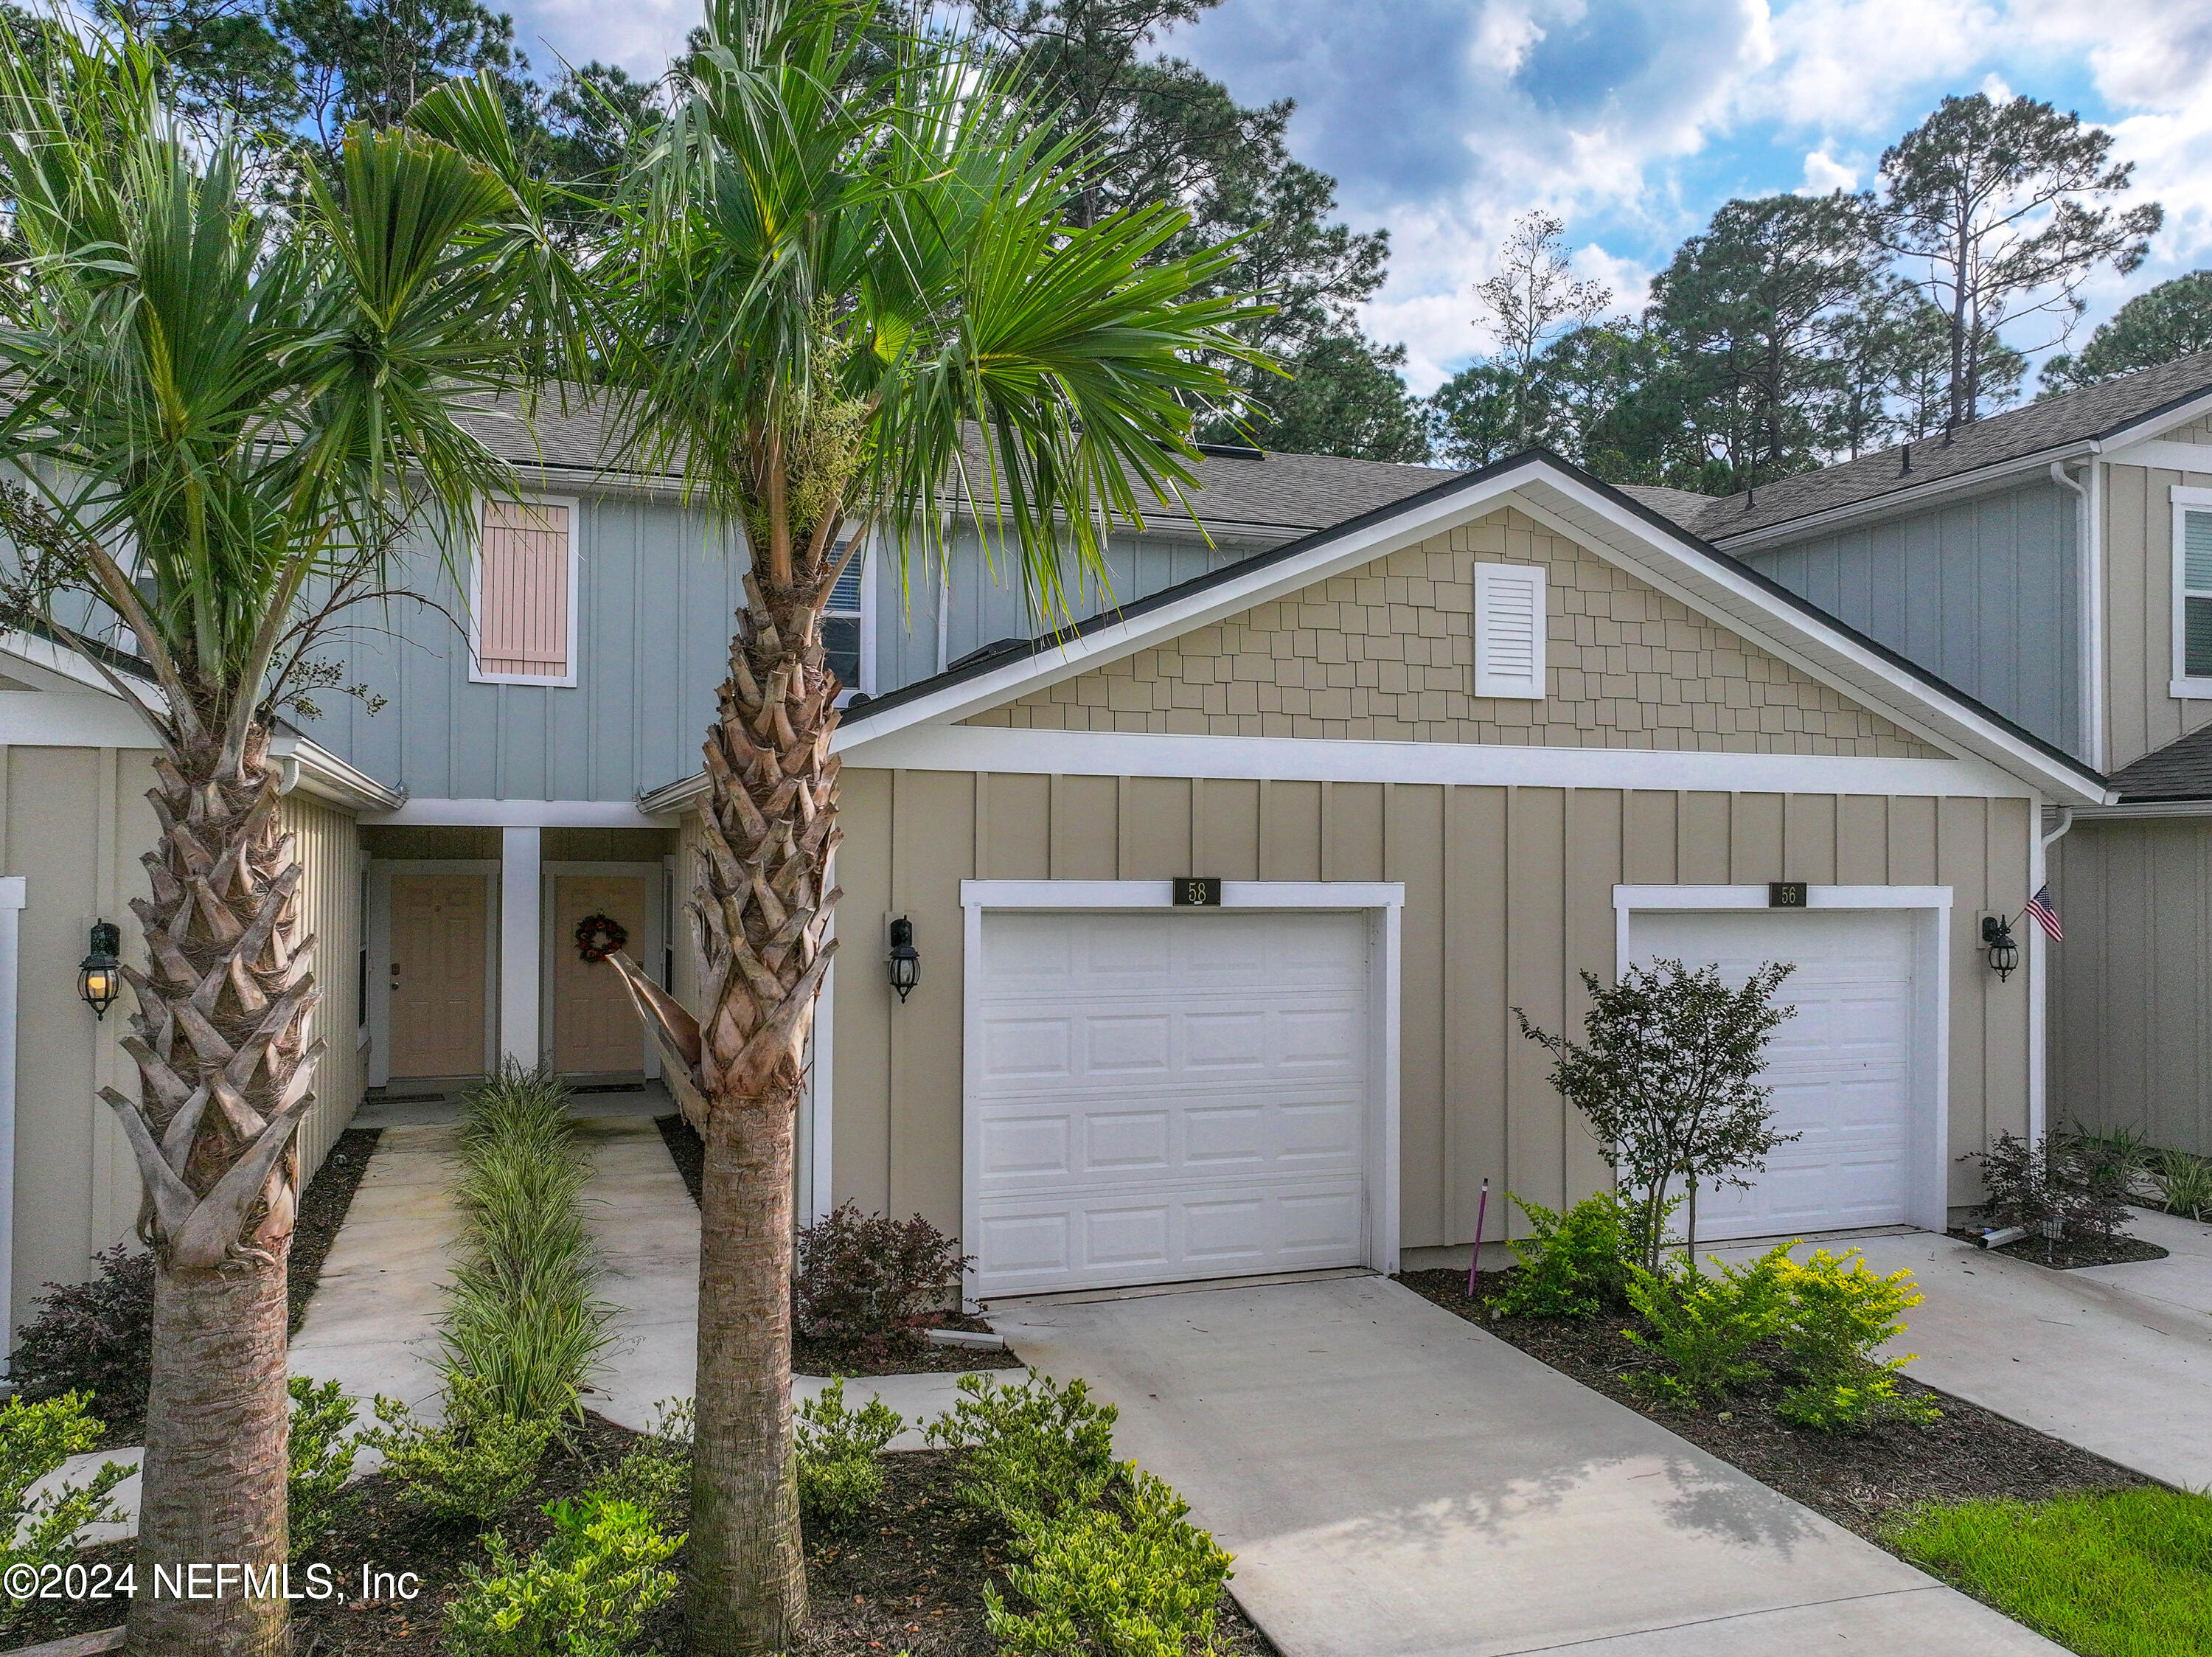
(1982,592)
(1387,654)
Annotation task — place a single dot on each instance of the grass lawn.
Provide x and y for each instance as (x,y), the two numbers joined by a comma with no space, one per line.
(2119,1574)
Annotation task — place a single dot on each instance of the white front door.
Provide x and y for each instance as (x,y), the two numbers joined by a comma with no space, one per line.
(1154,1097)
(1841,1070)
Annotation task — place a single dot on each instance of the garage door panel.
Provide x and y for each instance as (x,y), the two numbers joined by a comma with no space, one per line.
(1026,1146)
(1204,1230)
(1187,1093)
(1840,1069)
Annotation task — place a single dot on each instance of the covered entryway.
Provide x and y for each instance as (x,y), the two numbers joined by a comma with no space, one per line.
(1156,1095)
(595,1030)
(438,983)
(1852,1072)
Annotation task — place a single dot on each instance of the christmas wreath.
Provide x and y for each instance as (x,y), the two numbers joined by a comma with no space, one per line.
(599,936)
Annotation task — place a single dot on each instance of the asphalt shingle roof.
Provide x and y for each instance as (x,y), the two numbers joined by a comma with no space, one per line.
(2180,770)
(1274,496)
(2093,411)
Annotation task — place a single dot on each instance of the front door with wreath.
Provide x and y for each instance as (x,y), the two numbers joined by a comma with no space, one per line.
(595,1032)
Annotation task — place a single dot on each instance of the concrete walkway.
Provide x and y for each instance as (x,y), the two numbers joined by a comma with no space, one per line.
(647,1229)
(1394,1480)
(2115,1359)
(371,1324)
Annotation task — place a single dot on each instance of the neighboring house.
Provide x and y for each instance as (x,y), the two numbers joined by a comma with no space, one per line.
(2056,561)
(1446,741)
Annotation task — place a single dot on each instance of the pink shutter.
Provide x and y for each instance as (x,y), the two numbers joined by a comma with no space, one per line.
(522,590)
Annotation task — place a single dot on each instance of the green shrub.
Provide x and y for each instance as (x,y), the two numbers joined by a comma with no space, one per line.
(838,1478)
(1865,1397)
(319,1454)
(1702,1328)
(521,1320)
(586,1593)
(1577,1264)
(1037,1447)
(1140,1583)
(474,1468)
(34,1439)
(2185,1183)
(95,1338)
(656,1474)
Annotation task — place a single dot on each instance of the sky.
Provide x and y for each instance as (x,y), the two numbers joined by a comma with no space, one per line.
(1631,119)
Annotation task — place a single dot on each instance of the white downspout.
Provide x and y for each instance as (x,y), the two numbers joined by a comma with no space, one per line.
(2038,989)
(2089,574)
(12,898)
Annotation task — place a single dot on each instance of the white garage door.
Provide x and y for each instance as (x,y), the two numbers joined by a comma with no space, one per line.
(1841,1070)
(1160,1097)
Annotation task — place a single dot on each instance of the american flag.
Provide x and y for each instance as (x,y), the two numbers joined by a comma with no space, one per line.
(2046,916)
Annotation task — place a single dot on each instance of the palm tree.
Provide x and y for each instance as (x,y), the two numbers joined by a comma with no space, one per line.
(222,422)
(845,253)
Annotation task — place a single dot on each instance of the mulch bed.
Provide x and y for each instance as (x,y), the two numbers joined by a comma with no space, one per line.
(323,1207)
(810,1356)
(1861,1481)
(910,1582)
(686,1150)
(2072,1252)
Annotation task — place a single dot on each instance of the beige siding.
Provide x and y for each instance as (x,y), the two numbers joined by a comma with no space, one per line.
(330,907)
(73,824)
(1387,653)
(1508,898)
(2142,715)
(2131,1002)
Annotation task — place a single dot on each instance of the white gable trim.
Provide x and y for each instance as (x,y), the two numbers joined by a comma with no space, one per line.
(1007,751)
(1735,598)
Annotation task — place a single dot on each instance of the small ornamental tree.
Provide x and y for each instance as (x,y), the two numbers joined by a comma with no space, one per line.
(1668,1077)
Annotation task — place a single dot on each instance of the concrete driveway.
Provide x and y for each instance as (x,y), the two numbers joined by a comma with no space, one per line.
(2115,1359)
(1393,1480)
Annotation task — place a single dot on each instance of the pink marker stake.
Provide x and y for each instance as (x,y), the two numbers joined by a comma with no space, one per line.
(1474,1261)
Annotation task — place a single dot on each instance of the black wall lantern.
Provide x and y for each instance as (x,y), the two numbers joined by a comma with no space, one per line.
(1996,938)
(99,981)
(904,961)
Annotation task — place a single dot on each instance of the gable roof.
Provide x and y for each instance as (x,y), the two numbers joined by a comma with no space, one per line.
(2095,415)
(1633,534)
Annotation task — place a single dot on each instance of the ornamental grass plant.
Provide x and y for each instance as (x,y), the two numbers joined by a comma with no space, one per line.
(523,1324)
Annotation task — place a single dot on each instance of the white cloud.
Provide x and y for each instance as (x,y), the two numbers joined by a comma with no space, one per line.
(1824,174)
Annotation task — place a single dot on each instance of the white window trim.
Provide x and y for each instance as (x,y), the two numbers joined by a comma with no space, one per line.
(867,685)
(2199,688)
(1928,1197)
(1483,684)
(1381,901)
(476,673)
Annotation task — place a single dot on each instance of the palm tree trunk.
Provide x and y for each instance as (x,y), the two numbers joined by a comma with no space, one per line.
(224,1080)
(767,838)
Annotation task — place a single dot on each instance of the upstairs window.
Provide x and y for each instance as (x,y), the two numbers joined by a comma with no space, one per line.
(841,625)
(522,605)
(1508,630)
(2193,574)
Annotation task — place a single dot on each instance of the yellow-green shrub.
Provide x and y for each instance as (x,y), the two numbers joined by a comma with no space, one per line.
(1142,1583)
(1835,1310)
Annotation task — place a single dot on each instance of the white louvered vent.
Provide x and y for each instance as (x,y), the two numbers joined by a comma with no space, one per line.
(1508,630)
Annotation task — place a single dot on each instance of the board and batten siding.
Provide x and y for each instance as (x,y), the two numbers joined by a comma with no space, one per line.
(2131,985)
(982,596)
(2142,714)
(1508,898)
(74,823)
(1983,592)
(656,597)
